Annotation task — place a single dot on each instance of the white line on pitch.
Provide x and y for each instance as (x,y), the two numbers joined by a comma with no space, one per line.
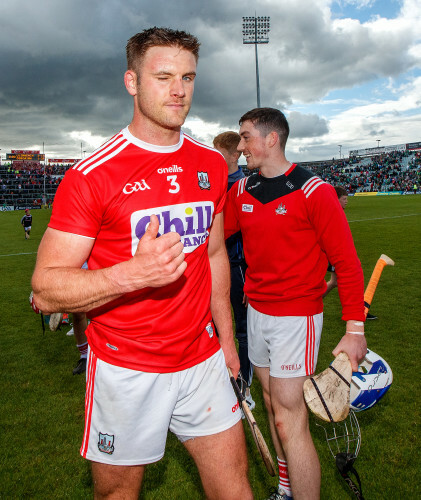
(382,218)
(14,254)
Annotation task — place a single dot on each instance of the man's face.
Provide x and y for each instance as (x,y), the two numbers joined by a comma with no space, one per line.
(229,157)
(165,85)
(252,145)
(343,200)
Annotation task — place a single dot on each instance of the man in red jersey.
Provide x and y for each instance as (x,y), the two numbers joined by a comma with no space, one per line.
(146,212)
(291,223)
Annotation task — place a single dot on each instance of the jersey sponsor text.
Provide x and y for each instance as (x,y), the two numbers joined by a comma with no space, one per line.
(190,220)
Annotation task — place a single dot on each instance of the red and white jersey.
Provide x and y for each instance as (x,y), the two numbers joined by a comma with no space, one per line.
(109,197)
(291,225)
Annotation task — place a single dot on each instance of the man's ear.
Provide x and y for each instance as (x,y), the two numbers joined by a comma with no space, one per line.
(272,139)
(130,81)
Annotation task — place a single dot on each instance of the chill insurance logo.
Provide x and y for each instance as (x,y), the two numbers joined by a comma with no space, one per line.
(190,220)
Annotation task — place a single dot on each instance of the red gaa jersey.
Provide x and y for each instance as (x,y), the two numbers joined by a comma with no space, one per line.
(291,225)
(109,197)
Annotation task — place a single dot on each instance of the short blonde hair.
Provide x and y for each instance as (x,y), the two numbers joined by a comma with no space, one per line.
(227,140)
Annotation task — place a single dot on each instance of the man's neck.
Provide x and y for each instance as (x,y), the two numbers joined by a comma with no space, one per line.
(275,169)
(154,134)
(232,168)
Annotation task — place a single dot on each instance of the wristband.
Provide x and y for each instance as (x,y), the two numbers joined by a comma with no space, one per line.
(356,333)
(357,323)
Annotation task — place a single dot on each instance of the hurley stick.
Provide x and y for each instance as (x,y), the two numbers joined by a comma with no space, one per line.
(327,394)
(257,435)
(381,263)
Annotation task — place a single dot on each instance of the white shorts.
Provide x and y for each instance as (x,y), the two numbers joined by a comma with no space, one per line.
(288,345)
(128,412)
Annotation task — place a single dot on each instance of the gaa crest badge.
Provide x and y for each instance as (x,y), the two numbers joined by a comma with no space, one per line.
(203,180)
(106,443)
(281,210)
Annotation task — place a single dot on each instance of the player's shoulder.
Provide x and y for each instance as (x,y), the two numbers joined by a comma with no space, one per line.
(307,181)
(245,183)
(201,148)
(102,156)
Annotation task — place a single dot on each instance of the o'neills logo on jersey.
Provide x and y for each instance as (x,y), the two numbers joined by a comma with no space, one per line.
(190,220)
(135,186)
(170,170)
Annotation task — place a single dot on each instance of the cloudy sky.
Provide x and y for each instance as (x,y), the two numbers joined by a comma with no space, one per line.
(345,72)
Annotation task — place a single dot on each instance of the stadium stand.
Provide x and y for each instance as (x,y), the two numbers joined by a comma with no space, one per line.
(33,185)
(396,171)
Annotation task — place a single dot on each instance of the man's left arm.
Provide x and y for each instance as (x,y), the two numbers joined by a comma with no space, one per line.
(336,240)
(220,296)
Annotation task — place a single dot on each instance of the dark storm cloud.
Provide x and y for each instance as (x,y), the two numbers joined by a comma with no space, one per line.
(62,63)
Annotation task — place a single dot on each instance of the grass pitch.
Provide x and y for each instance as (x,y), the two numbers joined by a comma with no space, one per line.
(41,418)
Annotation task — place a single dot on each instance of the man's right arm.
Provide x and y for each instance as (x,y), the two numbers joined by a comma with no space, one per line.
(59,283)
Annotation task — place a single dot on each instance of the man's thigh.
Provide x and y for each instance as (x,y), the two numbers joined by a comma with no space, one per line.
(287,393)
(222,462)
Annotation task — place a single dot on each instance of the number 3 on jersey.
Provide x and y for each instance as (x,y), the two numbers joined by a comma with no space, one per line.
(175,186)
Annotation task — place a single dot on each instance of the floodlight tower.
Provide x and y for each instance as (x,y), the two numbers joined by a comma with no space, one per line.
(255,30)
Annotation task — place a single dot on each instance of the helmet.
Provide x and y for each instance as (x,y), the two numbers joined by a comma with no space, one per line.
(371,382)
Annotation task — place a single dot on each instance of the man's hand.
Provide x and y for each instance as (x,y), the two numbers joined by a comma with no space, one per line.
(158,261)
(245,300)
(353,345)
(231,356)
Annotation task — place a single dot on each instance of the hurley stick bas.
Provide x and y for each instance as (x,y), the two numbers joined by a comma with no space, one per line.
(381,263)
(328,394)
(257,435)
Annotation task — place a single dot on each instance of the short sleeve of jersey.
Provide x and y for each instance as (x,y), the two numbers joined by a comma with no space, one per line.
(76,207)
(231,223)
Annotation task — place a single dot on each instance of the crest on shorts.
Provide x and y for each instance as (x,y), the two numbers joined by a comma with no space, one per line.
(106,443)
(281,210)
(203,180)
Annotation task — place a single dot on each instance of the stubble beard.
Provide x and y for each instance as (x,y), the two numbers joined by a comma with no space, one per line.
(162,116)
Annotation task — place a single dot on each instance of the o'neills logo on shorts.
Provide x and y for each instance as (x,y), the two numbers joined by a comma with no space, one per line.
(291,368)
(235,407)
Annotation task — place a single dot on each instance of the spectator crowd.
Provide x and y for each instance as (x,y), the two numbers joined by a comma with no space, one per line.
(22,183)
(394,171)
(29,183)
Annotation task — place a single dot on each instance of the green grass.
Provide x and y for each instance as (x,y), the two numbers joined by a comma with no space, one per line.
(41,418)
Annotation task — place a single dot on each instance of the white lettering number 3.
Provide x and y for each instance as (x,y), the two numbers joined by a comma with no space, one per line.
(175,186)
